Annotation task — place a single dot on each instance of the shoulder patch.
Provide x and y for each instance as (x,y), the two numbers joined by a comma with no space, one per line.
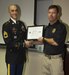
(5,34)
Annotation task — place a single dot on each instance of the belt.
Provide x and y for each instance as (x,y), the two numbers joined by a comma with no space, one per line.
(53,56)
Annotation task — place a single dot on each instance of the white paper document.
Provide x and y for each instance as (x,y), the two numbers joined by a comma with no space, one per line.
(35,32)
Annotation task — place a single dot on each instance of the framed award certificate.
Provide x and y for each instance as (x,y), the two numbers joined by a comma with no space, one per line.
(34,32)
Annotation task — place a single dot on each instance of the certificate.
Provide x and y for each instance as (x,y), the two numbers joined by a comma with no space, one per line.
(34,32)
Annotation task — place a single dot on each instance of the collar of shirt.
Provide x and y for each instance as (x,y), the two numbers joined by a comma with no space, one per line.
(54,23)
(13,20)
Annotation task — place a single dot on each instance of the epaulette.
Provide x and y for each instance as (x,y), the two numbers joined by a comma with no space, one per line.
(6,23)
(20,22)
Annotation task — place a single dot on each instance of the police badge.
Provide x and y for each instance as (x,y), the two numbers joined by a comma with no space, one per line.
(54,30)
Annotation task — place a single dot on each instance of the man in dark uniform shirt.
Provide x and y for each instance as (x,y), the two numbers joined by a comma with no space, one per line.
(54,44)
(14,35)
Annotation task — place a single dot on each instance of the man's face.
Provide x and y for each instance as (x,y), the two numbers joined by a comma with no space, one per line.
(13,12)
(52,15)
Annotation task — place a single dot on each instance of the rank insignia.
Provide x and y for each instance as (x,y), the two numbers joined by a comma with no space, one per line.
(54,30)
(5,34)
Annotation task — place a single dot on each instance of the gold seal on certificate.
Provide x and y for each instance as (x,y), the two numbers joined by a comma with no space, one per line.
(34,32)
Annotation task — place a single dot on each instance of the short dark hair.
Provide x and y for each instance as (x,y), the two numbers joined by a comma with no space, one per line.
(54,7)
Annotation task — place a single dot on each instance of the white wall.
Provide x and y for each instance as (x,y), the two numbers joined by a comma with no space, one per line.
(3,70)
(27,12)
(65,9)
(65,13)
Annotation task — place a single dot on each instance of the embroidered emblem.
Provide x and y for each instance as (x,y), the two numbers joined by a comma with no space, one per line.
(5,34)
(54,30)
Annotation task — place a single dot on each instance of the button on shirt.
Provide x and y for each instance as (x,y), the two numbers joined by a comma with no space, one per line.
(57,31)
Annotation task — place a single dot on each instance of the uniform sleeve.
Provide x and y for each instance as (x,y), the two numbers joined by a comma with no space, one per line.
(7,36)
(60,35)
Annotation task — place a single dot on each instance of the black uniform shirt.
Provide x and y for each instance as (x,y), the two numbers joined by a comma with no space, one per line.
(57,31)
(14,35)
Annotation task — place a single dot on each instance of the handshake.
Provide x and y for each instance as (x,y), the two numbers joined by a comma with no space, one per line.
(31,42)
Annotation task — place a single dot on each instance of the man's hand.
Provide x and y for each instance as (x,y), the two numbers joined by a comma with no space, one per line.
(40,39)
(28,43)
